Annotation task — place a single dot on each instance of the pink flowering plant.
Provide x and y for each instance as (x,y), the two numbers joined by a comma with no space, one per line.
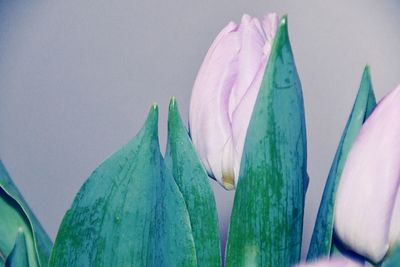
(247,131)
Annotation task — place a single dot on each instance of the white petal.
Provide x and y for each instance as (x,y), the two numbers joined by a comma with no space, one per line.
(270,24)
(370,181)
(249,59)
(334,262)
(228,173)
(250,85)
(208,117)
(242,115)
(394,233)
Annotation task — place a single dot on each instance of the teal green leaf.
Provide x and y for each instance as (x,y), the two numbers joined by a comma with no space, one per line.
(393,257)
(129,212)
(192,180)
(16,215)
(19,255)
(321,240)
(267,217)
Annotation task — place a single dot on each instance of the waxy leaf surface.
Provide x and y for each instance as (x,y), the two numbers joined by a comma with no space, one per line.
(267,217)
(19,255)
(393,257)
(192,180)
(129,212)
(16,216)
(322,238)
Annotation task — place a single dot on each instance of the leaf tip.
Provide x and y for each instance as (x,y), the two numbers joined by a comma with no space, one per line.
(174,121)
(153,113)
(172,103)
(152,120)
(366,82)
(282,35)
(154,106)
(284,20)
(367,72)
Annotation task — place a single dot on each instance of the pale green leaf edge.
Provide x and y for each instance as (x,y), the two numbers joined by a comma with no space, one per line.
(260,235)
(321,244)
(41,240)
(67,251)
(19,255)
(192,180)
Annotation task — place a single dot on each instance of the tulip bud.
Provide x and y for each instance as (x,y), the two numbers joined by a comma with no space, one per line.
(334,262)
(367,208)
(225,92)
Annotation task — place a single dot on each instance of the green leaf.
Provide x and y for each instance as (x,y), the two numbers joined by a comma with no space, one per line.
(321,240)
(267,217)
(19,254)
(16,215)
(393,257)
(193,182)
(129,212)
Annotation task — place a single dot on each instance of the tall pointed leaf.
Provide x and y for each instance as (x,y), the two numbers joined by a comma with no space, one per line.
(129,212)
(393,257)
(321,240)
(267,217)
(19,255)
(193,182)
(16,214)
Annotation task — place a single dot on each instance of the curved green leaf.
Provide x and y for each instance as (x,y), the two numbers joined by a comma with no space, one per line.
(321,240)
(129,212)
(193,182)
(16,215)
(19,255)
(393,257)
(267,217)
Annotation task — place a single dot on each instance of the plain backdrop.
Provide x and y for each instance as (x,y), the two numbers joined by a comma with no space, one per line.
(77,79)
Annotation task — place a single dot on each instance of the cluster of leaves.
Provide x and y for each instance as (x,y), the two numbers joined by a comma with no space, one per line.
(324,243)
(139,208)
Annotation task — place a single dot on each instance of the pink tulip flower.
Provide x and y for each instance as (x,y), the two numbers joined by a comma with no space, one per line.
(367,208)
(225,92)
(334,262)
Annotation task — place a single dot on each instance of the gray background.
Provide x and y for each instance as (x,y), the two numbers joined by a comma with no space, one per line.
(78,77)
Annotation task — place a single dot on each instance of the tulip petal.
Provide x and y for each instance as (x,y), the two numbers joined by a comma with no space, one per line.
(270,25)
(209,122)
(241,119)
(129,212)
(252,47)
(250,60)
(394,233)
(192,181)
(267,217)
(228,173)
(370,181)
(334,262)
(321,240)
(232,71)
